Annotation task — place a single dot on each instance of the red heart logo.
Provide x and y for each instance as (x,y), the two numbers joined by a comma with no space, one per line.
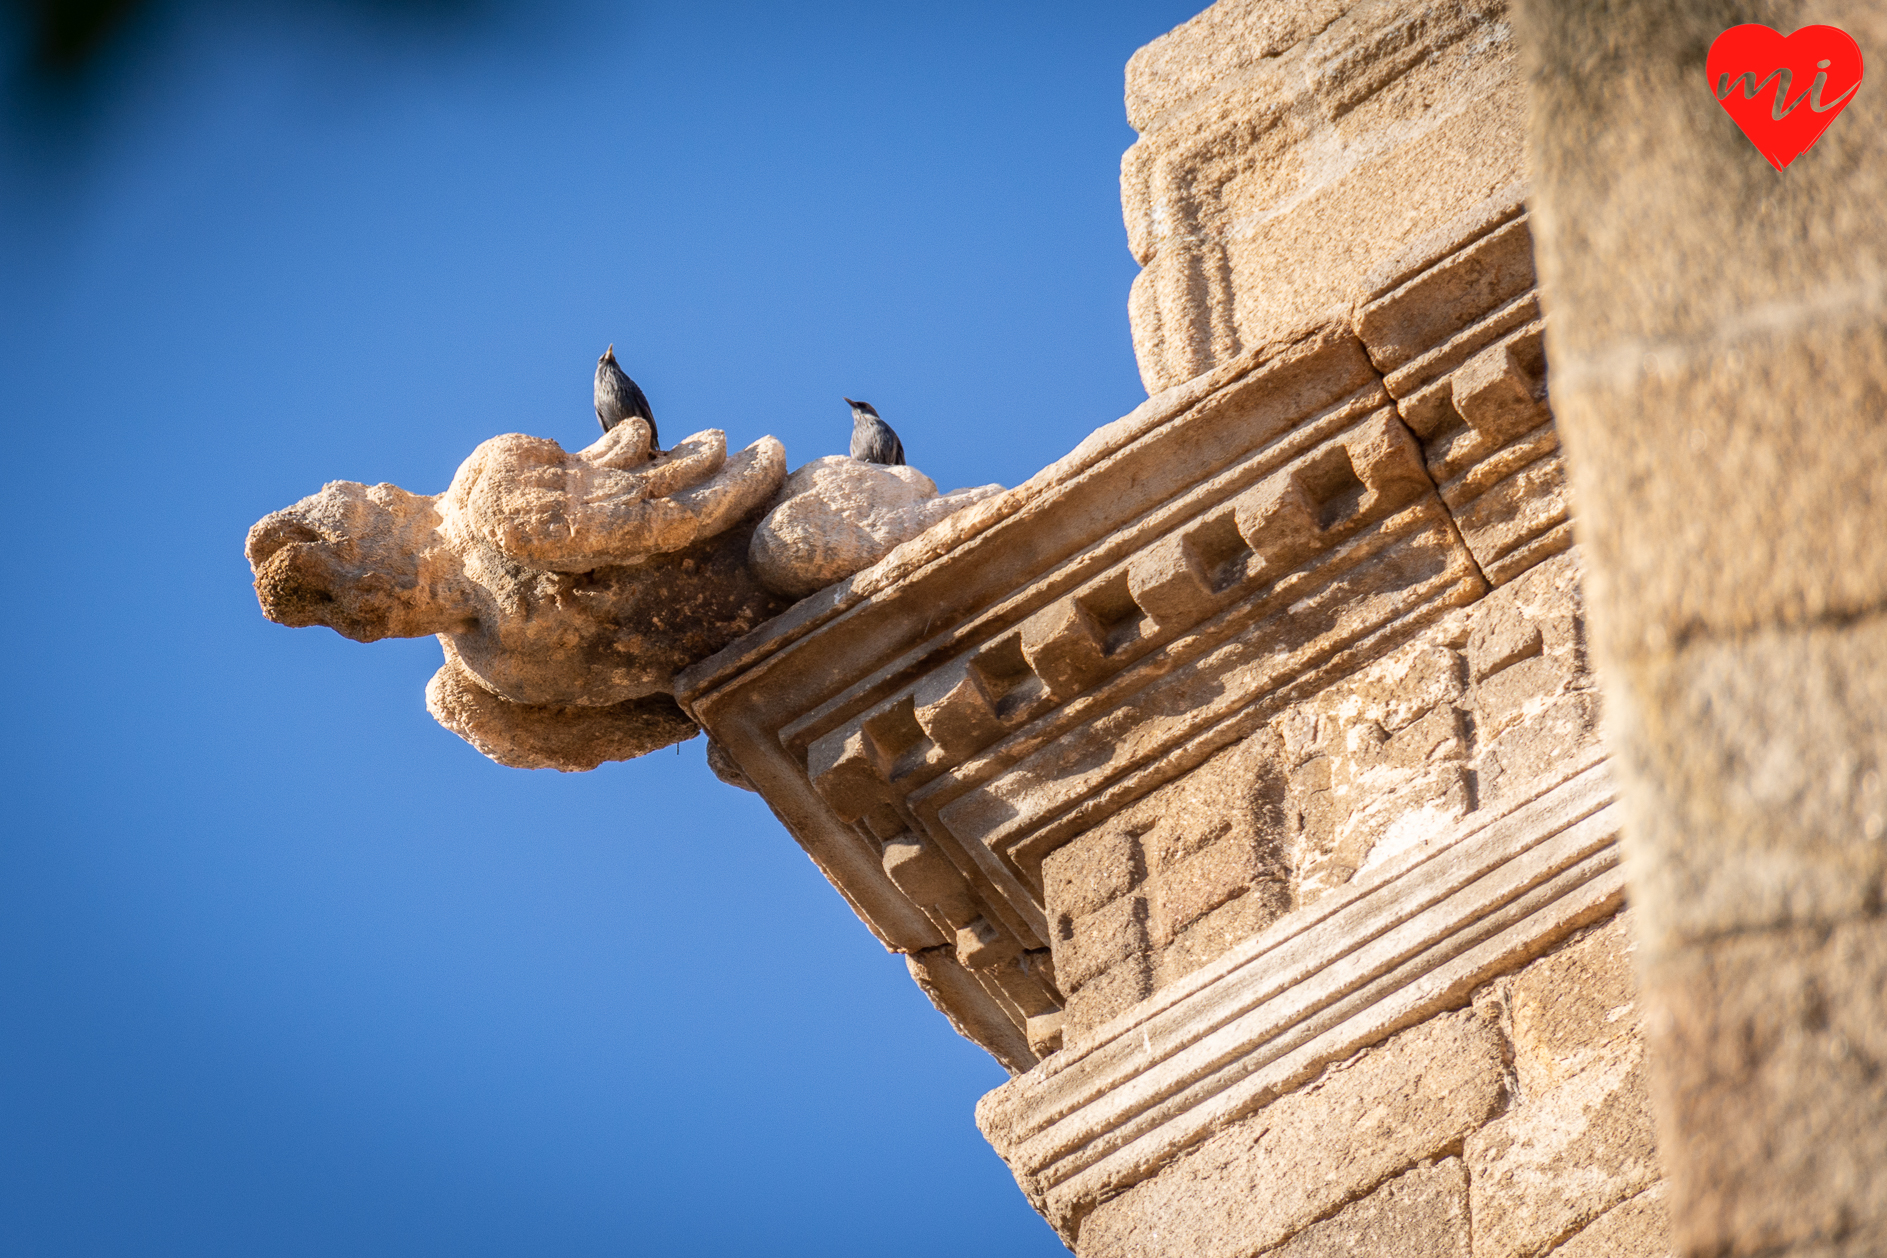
(1783,92)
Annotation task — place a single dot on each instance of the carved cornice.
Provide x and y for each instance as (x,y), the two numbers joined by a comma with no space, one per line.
(932,728)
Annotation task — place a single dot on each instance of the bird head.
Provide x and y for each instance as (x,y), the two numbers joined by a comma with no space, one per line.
(609,355)
(862,408)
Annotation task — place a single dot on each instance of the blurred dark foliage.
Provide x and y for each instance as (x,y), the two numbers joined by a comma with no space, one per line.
(62,37)
(65,39)
(63,59)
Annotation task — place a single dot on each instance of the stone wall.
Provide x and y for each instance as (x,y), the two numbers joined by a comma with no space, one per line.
(1289,147)
(1472,711)
(1237,781)
(1721,376)
(1517,1127)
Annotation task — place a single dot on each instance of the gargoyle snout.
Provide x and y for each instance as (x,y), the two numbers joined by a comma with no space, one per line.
(272,533)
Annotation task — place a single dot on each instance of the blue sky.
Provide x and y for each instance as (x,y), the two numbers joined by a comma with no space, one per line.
(287,969)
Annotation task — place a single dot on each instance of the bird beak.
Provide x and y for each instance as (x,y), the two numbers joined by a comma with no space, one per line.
(850,402)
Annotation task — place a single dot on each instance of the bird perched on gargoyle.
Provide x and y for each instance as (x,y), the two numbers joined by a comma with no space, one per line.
(872,438)
(618,398)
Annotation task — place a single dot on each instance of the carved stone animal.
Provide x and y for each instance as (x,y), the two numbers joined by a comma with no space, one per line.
(567,589)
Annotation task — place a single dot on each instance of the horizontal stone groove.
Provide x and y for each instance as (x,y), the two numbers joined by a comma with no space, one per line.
(1320,997)
(1298,946)
(1296,982)
(1581,895)
(1218,1068)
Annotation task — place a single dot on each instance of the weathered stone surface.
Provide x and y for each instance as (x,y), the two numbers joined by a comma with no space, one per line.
(1288,150)
(1421,1213)
(1731,313)
(1552,1163)
(1471,712)
(1169,884)
(836,516)
(570,737)
(1579,1140)
(1575,1008)
(1639,1228)
(1776,1089)
(1761,767)
(1272,1174)
(1313,988)
(611,503)
(1719,377)
(528,569)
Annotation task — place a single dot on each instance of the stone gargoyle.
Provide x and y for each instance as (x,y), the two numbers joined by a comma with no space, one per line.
(568,589)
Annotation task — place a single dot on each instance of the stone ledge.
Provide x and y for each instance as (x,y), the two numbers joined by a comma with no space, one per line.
(1259,1181)
(1406,942)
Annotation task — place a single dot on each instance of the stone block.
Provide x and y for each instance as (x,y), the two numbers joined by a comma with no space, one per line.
(848,772)
(1718,369)
(1554,1162)
(1494,393)
(1170,583)
(1190,888)
(1770,1046)
(1464,463)
(1441,735)
(1428,309)
(1216,932)
(1279,521)
(1760,770)
(1523,686)
(1421,1213)
(956,710)
(1065,646)
(1258,198)
(1091,871)
(1502,637)
(1100,940)
(1573,1007)
(1536,743)
(1105,995)
(920,871)
(1228,38)
(1519,507)
(1269,1176)
(1045,1033)
(1638,1228)
(982,944)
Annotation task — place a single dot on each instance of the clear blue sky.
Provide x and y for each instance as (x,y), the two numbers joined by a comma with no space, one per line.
(285,968)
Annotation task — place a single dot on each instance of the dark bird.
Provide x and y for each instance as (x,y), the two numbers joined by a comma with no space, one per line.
(618,398)
(872,438)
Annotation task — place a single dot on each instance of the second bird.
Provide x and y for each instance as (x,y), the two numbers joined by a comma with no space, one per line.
(872,438)
(617,398)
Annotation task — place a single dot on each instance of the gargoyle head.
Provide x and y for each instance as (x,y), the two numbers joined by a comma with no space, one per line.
(365,560)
